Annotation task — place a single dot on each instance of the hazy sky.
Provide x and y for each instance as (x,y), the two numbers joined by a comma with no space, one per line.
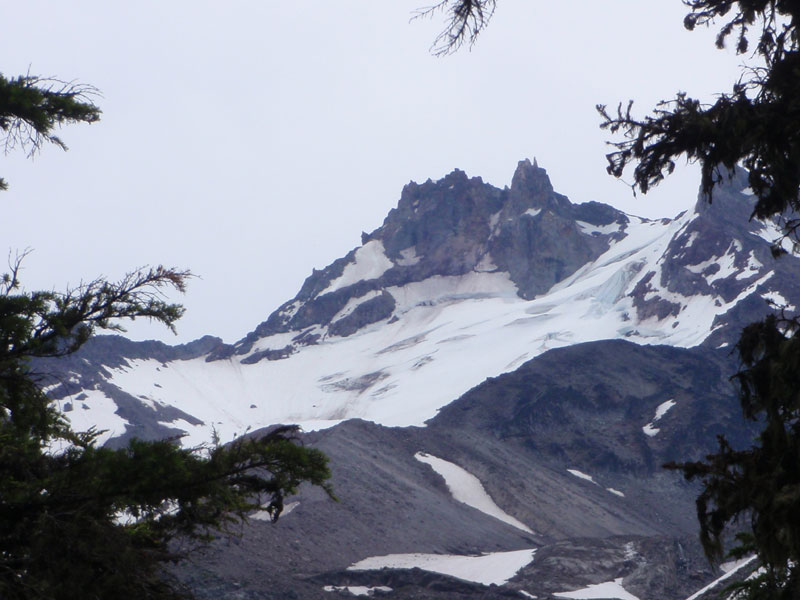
(253,141)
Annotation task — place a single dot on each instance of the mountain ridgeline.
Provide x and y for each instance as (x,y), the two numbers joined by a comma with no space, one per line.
(458,226)
(496,374)
(448,228)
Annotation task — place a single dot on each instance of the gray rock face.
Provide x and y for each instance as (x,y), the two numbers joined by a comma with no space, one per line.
(70,375)
(458,226)
(720,253)
(571,443)
(450,227)
(538,240)
(581,409)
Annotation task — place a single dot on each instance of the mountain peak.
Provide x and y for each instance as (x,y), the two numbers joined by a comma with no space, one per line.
(462,282)
(531,188)
(456,237)
(530,176)
(732,202)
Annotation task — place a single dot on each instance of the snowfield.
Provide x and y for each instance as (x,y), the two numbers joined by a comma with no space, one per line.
(662,409)
(494,568)
(401,373)
(466,488)
(732,570)
(600,591)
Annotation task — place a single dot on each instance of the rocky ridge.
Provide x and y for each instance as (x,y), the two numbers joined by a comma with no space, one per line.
(459,226)
(386,354)
(448,228)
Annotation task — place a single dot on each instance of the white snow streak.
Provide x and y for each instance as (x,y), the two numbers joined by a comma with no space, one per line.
(400,374)
(493,568)
(719,580)
(466,488)
(370,263)
(604,591)
(734,564)
(357,590)
(590,479)
(662,409)
(353,303)
(582,476)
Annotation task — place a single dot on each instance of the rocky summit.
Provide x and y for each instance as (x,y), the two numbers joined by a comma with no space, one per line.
(450,228)
(498,376)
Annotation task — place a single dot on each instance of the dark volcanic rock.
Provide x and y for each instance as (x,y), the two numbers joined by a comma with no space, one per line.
(719,253)
(581,408)
(587,404)
(371,311)
(451,227)
(538,240)
(88,368)
(571,444)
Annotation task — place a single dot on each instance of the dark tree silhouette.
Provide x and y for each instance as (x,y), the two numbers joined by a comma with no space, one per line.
(753,492)
(82,521)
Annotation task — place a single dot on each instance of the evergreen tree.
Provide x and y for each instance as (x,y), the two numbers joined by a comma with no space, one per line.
(756,492)
(78,521)
(757,124)
(82,521)
(32,107)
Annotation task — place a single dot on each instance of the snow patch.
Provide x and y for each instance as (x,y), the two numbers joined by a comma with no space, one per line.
(774,297)
(357,590)
(101,413)
(598,229)
(662,409)
(604,591)
(580,475)
(532,212)
(263,515)
(615,492)
(725,263)
(719,580)
(771,232)
(468,489)
(278,341)
(408,257)
(370,262)
(650,430)
(493,568)
(630,551)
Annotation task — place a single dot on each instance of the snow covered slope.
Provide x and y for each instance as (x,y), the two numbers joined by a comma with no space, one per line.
(492,372)
(462,282)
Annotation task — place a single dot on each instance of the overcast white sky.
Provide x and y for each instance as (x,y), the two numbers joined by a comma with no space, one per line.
(252,141)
